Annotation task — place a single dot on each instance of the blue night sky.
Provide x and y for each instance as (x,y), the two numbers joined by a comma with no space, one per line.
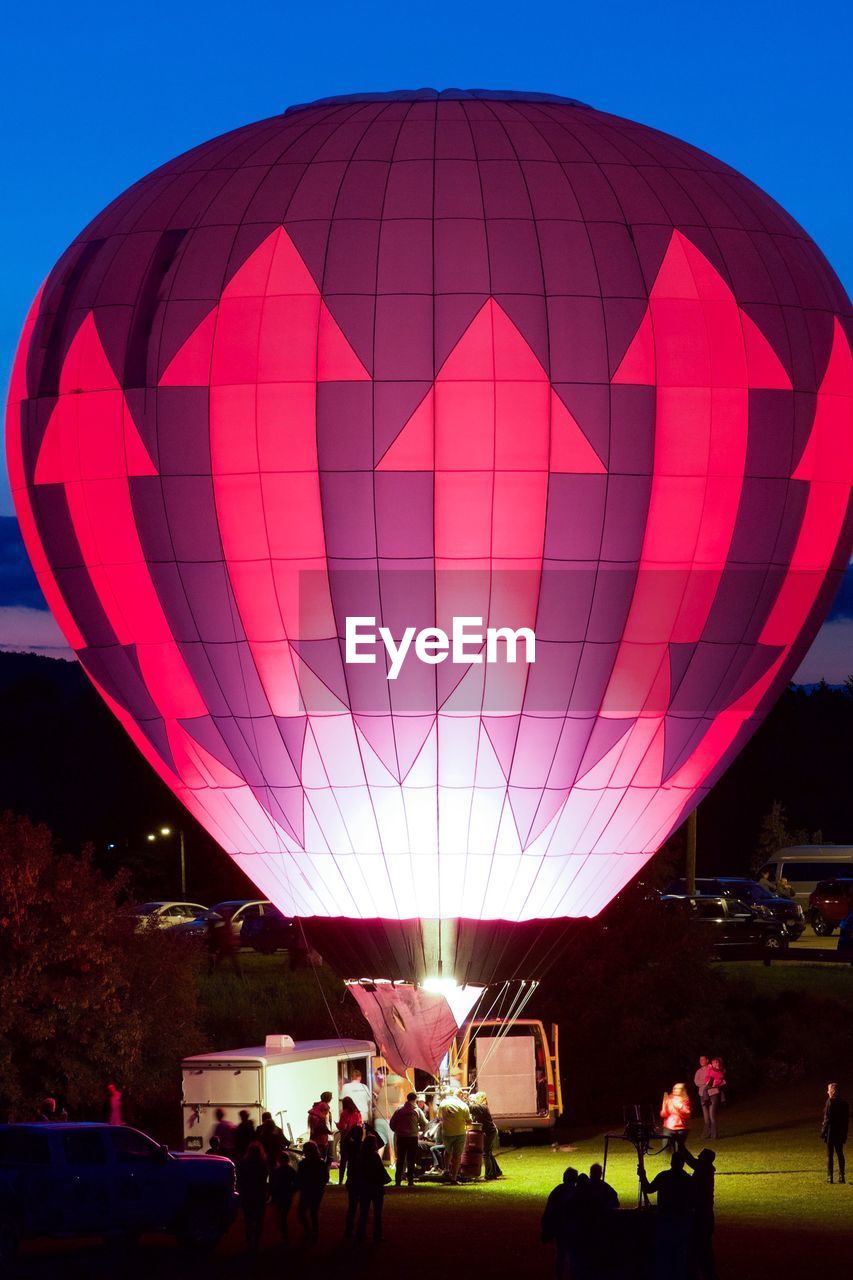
(97,94)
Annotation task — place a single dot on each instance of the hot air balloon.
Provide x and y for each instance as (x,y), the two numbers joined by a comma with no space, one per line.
(439,487)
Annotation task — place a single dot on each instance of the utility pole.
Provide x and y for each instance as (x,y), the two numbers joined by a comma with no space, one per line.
(690,868)
(184,864)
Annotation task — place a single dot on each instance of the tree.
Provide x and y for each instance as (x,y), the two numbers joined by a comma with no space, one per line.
(86,998)
(775,834)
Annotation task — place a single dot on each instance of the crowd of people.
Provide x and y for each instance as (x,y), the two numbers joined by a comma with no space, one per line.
(423,1136)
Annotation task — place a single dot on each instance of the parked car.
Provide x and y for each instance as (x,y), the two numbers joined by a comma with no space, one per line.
(830,902)
(165,915)
(240,910)
(740,889)
(272,931)
(69,1180)
(732,926)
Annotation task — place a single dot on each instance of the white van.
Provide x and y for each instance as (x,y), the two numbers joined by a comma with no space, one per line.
(283,1076)
(516,1066)
(806,864)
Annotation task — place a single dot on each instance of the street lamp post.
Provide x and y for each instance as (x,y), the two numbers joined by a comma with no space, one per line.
(165,832)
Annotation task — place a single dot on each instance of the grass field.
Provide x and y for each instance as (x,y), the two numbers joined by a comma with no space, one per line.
(775,1213)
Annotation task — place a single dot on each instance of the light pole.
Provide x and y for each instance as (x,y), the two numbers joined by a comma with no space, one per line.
(165,832)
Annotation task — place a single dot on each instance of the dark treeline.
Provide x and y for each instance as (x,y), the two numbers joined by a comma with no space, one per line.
(66,761)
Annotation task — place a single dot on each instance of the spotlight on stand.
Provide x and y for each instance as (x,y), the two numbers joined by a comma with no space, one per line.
(642,1132)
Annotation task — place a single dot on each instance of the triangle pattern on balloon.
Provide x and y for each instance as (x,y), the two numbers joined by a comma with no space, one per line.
(323,658)
(491,350)
(503,735)
(273,271)
(90,435)
(378,733)
(410,735)
(734,340)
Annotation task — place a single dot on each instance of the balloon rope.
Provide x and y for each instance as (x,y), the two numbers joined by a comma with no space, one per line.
(512,1017)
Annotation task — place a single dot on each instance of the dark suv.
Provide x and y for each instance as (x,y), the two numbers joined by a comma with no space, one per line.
(270,932)
(731,925)
(830,902)
(738,889)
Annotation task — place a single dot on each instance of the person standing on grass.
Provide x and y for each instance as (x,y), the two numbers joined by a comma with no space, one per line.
(351,1153)
(320,1125)
(270,1137)
(602,1196)
(244,1135)
(702,1188)
(224,1132)
(350,1119)
(311,1178)
(455,1117)
(406,1124)
(700,1080)
(833,1130)
(373,1178)
(481,1115)
(716,1085)
(252,1186)
(673,1188)
(560,1224)
(282,1191)
(675,1113)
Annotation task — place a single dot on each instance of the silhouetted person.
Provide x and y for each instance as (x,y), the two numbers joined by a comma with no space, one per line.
(311,1178)
(244,1136)
(833,1130)
(215,1147)
(252,1181)
(282,1191)
(602,1196)
(560,1223)
(702,1235)
(374,1178)
(223,944)
(270,1137)
(224,1131)
(351,1144)
(675,1212)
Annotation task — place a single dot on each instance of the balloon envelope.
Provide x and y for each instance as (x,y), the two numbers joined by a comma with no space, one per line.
(397,361)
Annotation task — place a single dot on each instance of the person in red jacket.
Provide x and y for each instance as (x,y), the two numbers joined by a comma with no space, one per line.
(320,1126)
(675,1113)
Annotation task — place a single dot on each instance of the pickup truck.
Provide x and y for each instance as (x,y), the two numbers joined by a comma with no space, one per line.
(68,1180)
(731,926)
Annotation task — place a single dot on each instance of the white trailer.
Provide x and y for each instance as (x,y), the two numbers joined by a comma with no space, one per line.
(283,1076)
